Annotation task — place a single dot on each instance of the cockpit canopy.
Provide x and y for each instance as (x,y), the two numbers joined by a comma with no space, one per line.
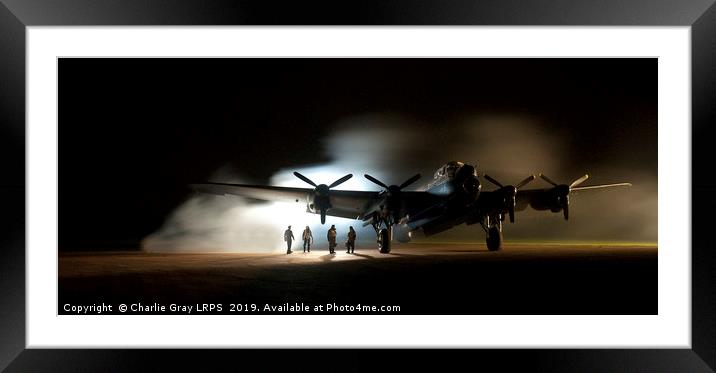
(448,169)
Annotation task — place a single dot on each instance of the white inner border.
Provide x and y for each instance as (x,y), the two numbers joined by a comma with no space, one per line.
(671,328)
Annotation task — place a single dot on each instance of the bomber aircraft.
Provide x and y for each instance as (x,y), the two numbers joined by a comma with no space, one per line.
(454,196)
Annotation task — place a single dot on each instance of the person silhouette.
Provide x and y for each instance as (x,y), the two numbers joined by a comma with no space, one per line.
(332,239)
(351,243)
(307,239)
(288,237)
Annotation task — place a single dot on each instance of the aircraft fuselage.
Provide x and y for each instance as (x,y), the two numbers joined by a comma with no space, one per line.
(458,186)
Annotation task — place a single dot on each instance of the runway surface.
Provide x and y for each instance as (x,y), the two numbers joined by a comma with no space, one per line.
(419,278)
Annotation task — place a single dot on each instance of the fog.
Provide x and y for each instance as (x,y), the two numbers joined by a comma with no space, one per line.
(393,148)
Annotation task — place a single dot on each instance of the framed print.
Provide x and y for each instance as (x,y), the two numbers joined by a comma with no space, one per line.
(518,185)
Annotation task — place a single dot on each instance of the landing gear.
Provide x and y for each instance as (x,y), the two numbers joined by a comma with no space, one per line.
(384,240)
(384,230)
(494,239)
(493,230)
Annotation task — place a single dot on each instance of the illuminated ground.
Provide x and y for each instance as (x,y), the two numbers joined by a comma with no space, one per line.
(420,278)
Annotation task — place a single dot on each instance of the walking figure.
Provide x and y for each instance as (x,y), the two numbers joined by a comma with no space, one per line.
(307,239)
(332,239)
(288,237)
(351,243)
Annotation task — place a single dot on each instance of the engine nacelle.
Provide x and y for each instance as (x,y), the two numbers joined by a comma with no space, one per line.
(555,200)
(546,201)
(316,202)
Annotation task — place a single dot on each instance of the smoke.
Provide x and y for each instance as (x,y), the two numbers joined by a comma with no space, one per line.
(211,223)
(208,223)
(393,148)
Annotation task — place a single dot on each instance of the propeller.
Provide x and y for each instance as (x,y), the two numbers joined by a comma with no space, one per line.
(509,193)
(562,191)
(321,198)
(393,190)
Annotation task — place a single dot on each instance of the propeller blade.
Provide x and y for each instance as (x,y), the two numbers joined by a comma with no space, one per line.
(603,186)
(375,181)
(579,181)
(565,206)
(525,181)
(323,216)
(511,210)
(307,180)
(545,178)
(409,181)
(340,181)
(497,183)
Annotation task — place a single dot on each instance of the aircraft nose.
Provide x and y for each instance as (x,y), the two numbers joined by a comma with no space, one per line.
(471,185)
(466,171)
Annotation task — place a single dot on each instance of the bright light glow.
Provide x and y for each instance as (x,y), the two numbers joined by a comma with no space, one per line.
(324,174)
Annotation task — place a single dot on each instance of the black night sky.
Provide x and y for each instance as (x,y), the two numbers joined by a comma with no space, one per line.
(134,132)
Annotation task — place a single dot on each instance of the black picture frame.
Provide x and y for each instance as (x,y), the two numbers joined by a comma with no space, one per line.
(16,15)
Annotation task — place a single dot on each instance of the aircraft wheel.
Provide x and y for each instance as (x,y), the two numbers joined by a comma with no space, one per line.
(494,239)
(384,241)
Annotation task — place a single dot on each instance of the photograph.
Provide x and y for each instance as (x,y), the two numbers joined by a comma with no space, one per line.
(391,186)
(201,185)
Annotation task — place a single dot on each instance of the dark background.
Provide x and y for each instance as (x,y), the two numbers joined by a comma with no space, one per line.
(134,132)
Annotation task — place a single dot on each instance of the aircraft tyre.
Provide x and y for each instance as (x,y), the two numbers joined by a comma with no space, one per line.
(384,241)
(494,239)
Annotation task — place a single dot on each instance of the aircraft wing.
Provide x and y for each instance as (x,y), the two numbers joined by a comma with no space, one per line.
(346,203)
(525,197)
(265,193)
(350,204)
(421,205)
